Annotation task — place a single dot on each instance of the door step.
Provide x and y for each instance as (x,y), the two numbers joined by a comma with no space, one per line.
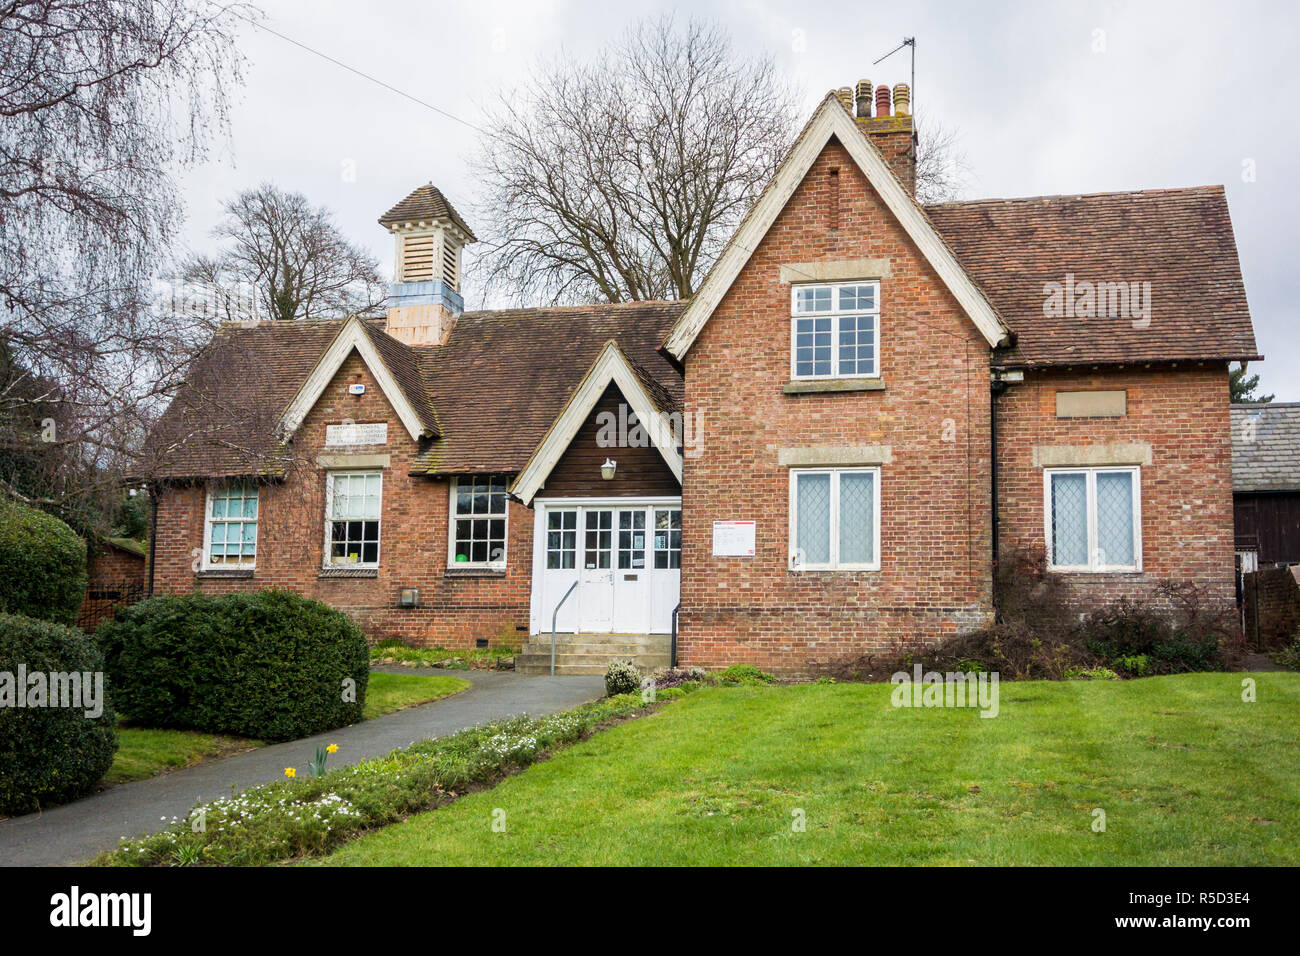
(593,653)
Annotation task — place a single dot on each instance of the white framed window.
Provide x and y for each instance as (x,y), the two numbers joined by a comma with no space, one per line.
(835,330)
(1093,518)
(353,505)
(668,539)
(561,539)
(479,511)
(835,519)
(230,527)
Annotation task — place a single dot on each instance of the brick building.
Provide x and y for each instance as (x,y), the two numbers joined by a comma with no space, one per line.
(820,452)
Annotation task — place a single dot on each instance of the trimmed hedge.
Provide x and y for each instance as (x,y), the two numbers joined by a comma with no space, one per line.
(42,565)
(270,664)
(48,754)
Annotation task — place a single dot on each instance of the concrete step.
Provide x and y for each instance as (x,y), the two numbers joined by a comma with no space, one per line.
(651,639)
(561,670)
(586,656)
(643,661)
(606,650)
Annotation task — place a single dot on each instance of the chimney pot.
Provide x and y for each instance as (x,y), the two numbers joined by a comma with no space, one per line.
(864,99)
(846,97)
(902,99)
(882,101)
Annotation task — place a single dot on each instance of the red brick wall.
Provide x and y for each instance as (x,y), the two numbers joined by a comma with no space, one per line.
(1187,529)
(1272,595)
(936,525)
(111,565)
(896,141)
(113,577)
(456,609)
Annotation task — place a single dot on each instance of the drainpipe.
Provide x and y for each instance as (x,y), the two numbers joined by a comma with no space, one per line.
(1001,378)
(997,389)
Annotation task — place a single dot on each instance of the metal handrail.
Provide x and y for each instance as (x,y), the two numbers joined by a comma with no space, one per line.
(673,657)
(554,616)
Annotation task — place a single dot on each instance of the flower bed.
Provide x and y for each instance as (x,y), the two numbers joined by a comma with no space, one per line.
(307,816)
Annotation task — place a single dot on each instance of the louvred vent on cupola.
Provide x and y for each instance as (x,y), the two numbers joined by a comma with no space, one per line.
(450,272)
(417,258)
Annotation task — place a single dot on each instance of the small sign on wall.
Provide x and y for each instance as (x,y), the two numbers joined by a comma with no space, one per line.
(370,433)
(733,539)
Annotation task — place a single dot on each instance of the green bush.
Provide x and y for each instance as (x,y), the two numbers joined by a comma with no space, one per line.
(270,664)
(745,674)
(622,677)
(49,754)
(1289,656)
(1143,639)
(1090,673)
(1136,664)
(42,565)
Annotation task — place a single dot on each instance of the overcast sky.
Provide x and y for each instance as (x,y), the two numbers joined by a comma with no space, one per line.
(1048,99)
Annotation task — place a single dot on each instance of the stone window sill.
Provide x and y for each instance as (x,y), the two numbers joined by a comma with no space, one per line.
(818,385)
(455,572)
(225,573)
(348,573)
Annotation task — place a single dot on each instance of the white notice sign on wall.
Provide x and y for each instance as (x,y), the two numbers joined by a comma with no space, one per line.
(733,539)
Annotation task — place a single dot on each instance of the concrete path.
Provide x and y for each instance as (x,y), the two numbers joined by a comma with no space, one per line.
(76,832)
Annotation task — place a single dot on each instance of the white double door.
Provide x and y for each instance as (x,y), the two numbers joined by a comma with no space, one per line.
(625,558)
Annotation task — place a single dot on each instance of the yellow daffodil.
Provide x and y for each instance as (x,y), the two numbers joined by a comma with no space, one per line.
(290,772)
(332,749)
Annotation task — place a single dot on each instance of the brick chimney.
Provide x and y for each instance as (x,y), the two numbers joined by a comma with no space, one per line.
(429,236)
(891,129)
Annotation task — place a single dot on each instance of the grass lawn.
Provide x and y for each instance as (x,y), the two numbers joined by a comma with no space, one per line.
(1186,772)
(386,693)
(145,752)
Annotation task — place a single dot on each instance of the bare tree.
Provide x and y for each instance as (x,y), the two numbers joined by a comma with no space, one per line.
(622,178)
(101,101)
(285,259)
(942,170)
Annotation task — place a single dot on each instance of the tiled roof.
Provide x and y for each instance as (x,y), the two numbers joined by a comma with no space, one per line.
(489,393)
(223,420)
(502,377)
(425,203)
(1178,240)
(1266,447)
(404,362)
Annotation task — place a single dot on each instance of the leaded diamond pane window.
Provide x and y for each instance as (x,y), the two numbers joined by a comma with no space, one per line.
(1069,520)
(857,513)
(1093,519)
(835,519)
(813,536)
(1115,518)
